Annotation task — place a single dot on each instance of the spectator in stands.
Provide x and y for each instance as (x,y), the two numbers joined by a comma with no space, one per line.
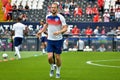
(117,8)
(106,16)
(26,6)
(100,19)
(113,31)
(117,2)
(24,17)
(117,15)
(89,11)
(112,13)
(96,31)
(101,5)
(4,3)
(95,10)
(78,11)
(14,7)
(103,30)
(72,4)
(88,31)
(62,5)
(8,12)
(66,11)
(20,7)
(61,11)
(75,31)
(102,48)
(96,18)
(80,45)
(118,32)
(82,32)
(7,33)
(67,4)
(111,9)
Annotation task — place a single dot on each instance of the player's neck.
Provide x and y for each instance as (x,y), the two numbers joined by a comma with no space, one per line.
(54,14)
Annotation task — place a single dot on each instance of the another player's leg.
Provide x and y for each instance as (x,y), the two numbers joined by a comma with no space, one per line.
(17,52)
(17,43)
(43,48)
(44,44)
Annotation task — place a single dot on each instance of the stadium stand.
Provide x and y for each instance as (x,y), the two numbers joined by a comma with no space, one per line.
(39,8)
(35,12)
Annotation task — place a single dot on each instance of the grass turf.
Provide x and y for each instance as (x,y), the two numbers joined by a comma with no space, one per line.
(34,66)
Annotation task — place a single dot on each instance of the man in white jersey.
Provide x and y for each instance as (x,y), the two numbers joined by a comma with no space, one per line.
(18,31)
(56,26)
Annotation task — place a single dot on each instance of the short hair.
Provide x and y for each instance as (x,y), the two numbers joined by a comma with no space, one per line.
(56,4)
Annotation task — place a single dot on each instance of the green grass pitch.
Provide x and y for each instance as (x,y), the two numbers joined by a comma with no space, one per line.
(34,66)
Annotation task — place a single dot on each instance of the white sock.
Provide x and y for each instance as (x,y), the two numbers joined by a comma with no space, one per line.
(43,50)
(17,52)
(19,47)
(52,66)
(58,69)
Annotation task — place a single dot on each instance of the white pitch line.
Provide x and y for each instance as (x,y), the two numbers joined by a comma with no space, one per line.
(102,65)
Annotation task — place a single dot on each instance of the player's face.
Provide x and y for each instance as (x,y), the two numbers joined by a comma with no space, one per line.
(54,9)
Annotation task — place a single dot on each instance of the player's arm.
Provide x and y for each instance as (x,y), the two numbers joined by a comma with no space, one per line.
(46,33)
(12,32)
(42,30)
(63,30)
(25,31)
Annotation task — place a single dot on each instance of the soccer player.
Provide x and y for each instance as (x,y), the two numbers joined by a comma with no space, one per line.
(56,25)
(18,31)
(43,38)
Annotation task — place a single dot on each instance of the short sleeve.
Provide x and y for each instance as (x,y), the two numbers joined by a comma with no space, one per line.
(62,20)
(24,26)
(47,17)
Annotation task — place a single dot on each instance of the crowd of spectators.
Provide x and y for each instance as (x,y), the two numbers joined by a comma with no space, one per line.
(93,10)
(98,31)
(8,9)
(89,9)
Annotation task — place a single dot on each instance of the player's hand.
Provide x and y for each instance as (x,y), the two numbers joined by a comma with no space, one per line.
(57,33)
(38,35)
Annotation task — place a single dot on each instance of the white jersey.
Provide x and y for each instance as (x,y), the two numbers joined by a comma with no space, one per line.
(80,45)
(18,28)
(55,23)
